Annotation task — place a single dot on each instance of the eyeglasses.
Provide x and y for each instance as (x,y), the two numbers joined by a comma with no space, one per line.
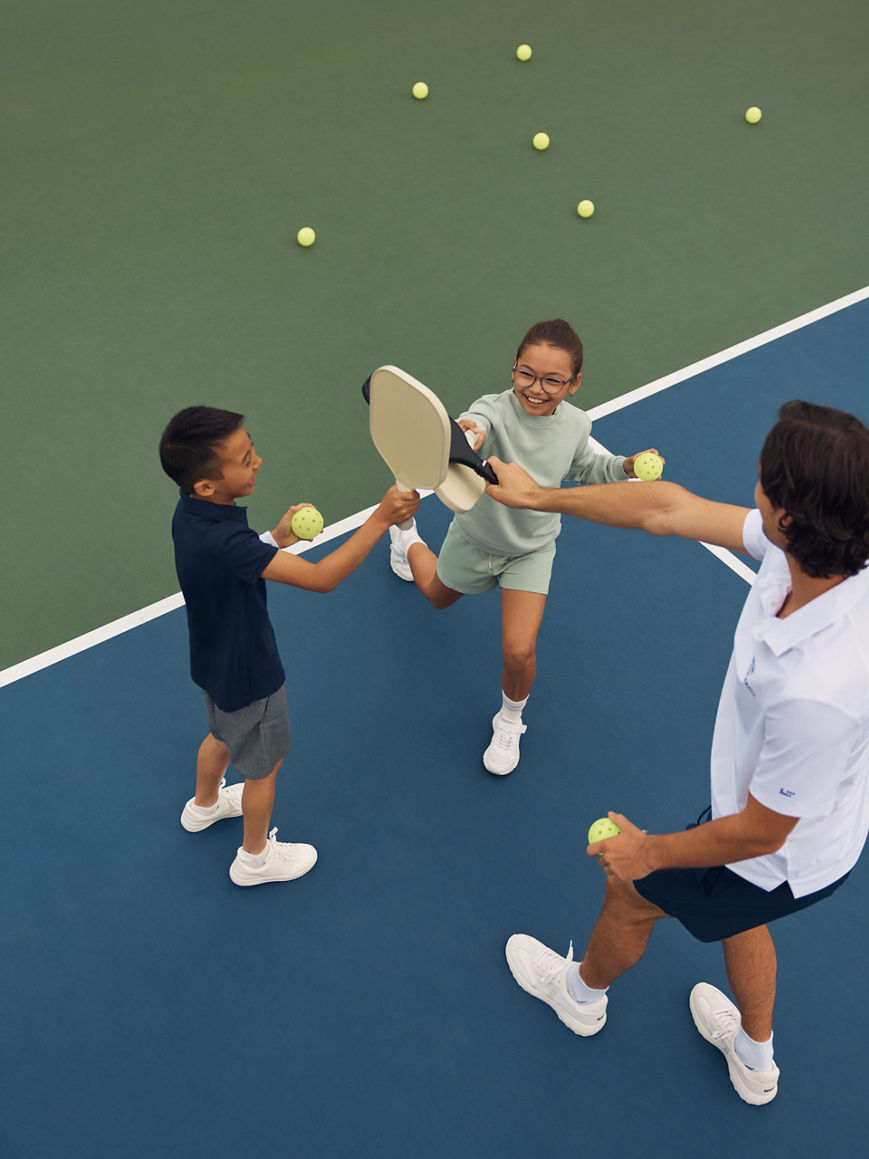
(549,383)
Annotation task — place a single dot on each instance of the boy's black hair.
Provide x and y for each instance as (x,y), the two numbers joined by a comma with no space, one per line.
(815,465)
(189,446)
(557,333)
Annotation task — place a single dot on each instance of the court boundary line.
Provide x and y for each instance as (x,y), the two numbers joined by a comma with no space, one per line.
(154,611)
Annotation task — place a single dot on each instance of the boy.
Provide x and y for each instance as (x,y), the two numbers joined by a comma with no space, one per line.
(222,565)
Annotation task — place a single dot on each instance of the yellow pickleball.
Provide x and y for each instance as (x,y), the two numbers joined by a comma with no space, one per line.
(648,466)
(540,141)
(420,90)
(585,208)
(602,829)
(306,236)
(307,522)
(753,115)
(523,52)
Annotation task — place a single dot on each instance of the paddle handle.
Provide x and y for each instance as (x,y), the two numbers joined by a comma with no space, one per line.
(408,523)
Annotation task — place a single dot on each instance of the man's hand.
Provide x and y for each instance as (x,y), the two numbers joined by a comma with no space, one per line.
(515,486)
(624,856)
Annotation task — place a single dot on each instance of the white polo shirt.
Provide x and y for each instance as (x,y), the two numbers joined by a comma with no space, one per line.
(793,722)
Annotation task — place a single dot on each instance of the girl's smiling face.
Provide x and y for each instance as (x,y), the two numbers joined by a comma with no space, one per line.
(541,364)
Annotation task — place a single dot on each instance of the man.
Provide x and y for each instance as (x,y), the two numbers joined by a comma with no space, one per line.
(790,750)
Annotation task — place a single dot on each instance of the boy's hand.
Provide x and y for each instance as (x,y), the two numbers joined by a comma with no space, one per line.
(628,465)
(515,486)
(625,856)
(397,506)
(480,435)
(283,533)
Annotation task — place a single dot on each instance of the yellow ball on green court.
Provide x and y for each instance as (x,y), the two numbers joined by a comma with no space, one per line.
(307,522)
(540,141)
(420,90)
(306,236)
(585,208)
(523,52)
(648,466)
(602,829)
(753,115)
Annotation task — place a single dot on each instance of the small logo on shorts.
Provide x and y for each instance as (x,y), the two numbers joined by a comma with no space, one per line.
(787,792)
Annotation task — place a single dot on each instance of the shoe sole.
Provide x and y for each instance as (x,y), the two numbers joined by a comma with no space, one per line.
(271,880)
(752,1097)
(582,1031)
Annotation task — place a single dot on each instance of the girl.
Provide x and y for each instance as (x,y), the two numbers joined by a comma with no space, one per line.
(514,549)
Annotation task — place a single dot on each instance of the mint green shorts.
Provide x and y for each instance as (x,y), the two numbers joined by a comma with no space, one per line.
(470,570)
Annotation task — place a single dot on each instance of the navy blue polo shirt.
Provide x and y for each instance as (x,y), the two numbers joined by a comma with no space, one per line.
(220,560)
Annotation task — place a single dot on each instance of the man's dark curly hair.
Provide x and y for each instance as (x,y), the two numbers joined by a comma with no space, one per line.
(815,465)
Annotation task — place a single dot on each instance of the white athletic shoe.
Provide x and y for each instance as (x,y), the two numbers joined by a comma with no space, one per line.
(543,974)
(398,552)
(718,1020)
(502,755)
(283,862)
(228,805)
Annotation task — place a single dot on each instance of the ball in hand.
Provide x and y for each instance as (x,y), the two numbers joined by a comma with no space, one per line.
(648,466)
(306,522)
(602,829)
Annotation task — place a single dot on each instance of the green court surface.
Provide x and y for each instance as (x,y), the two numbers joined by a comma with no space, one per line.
(159,159)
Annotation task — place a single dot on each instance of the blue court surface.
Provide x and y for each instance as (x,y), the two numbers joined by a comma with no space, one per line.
(151,1008)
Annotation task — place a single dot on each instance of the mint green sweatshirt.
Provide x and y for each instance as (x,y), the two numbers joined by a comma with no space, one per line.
(552,448)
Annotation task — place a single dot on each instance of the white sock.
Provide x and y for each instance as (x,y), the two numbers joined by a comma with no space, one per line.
(578,990)
(254,860)
(202,810)
(511,710)
(755,1055)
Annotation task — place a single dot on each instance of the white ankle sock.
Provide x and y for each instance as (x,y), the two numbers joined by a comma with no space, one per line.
(578,990)
(203,810)
(254,860)
(512,709)
(755,1055)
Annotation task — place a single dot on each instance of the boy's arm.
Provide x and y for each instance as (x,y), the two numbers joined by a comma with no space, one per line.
(395,507)
(659,508)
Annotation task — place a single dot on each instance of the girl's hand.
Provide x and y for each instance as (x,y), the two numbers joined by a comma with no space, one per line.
(628,465)
(470,425)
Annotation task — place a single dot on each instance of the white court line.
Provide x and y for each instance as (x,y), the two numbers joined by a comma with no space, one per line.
(153,611)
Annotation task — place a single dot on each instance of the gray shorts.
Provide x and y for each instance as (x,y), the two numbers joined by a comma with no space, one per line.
(470,570)
(257,736)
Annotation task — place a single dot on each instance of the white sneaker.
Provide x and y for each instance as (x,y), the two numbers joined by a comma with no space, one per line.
(502,755)
(283,862)
(543,973)
(718,1020)
(228,805)
(398,552)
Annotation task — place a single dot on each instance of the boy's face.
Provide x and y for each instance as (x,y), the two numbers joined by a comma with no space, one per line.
(543,362)
(239,466)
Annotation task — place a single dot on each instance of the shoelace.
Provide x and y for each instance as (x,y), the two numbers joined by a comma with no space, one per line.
(280,848)
(550,965)
(726,1024)
(505,738)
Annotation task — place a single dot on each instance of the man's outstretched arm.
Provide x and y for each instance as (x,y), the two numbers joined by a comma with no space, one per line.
(659,508)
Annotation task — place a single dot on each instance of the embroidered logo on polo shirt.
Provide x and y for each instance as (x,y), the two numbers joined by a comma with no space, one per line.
(746,676)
